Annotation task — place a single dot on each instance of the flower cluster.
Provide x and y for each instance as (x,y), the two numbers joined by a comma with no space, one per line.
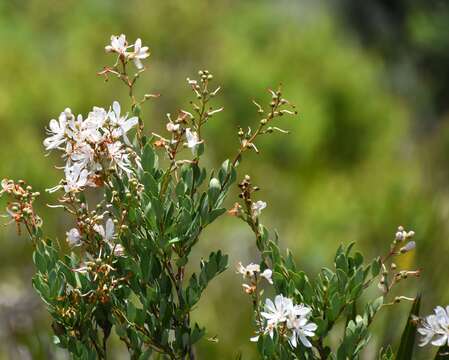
(91,146)
(434,328)
(289,320)
(120,46)
(403,236)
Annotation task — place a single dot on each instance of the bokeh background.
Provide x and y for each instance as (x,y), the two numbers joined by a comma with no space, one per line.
(368,152)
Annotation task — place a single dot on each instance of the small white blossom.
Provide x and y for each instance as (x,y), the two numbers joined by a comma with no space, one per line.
(277,312)
(252,270)
(140,52)
(257,207)
(7,186)
(192,82)
(435,328)
(82,154)
(301,327)
(284,314)
(119,156)
(118,44)
(119,250)
(92,129)
(107,232)
(73,237)
(248,271)
(172,127)
(76,178)
(192,139)
(57,129)
(266,274)
(121,124)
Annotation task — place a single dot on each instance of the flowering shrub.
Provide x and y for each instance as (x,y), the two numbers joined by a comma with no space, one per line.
(140,203)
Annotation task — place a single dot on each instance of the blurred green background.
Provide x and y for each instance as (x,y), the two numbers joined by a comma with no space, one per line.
(367,153)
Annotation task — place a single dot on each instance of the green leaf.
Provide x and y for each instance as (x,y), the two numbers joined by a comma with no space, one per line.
(375,267)
(131,312)
(39,261)
(214,190)
(341,263)
(214,214)
(136,110)
(148,158)
(150,183)
(405,350)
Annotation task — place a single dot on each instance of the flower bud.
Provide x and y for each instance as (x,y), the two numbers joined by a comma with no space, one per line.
(408,247)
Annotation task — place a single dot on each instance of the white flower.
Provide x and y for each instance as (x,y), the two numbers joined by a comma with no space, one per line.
(249,270)
(92,129)
(96,118)
(302,330)
(76,178)
(82,154)
(73,237)
(292,319)
(118,44)
(119,156)
(192,82)
(121,124)
(57,129)
(277,312)
(7,186)
(107,232)
(192,139)
(301,327)
(75,128)
(140,52)
(119,250)
(171,127)
(266,274)
(435,328)
(257,207)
